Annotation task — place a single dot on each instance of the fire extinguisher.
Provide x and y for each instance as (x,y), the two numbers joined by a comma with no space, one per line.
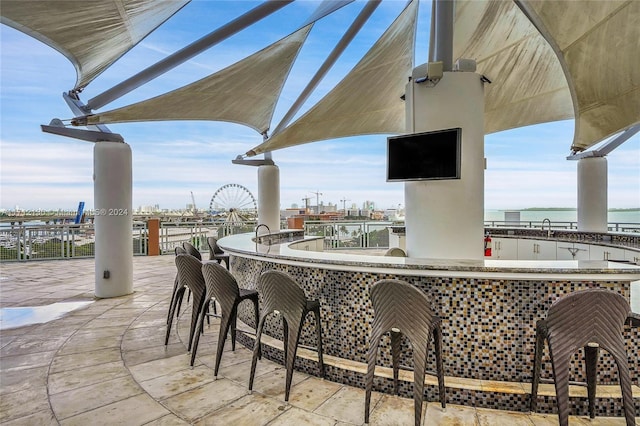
(487,245)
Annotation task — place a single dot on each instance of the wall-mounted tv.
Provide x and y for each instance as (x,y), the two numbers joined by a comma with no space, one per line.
(424,156)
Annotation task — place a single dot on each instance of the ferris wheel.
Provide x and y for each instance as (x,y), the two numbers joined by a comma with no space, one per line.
(233,203)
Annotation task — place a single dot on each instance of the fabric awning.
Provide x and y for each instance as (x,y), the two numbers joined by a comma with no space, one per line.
(245,92)
(558,60)
(547,60)
(367,100)
(92,35)
(598,43)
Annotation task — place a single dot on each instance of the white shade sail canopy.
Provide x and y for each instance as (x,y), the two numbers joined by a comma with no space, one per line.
(554,60)
(368,100)
(233,94)
(598,44)
(547,60)
(91,34)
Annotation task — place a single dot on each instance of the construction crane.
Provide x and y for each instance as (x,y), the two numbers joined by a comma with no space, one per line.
(193,205)
(344,205)
(306,204)
(318,194)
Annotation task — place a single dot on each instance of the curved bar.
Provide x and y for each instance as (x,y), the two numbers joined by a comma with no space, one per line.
(489,308)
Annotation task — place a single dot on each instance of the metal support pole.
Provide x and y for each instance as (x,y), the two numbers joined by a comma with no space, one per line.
(443,42)
(329,62)
(609,146)
(186,53)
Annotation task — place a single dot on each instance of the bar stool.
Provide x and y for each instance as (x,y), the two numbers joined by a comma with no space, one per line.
(400,308)
(190,276)
(221,284)
(178,292)
(281,294)
(193,251)
(190,249)
(591,319)
(216,253)
(395,252)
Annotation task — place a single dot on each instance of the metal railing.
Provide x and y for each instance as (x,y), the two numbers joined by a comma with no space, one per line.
(34,242)
(66,241)
(350,234)
(31,242)
(625,227)
(374,234)
(173,234)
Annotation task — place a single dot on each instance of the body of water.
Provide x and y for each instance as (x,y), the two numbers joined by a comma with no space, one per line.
(626,216)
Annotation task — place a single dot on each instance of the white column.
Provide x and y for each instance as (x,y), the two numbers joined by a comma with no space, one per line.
(592,194)
(113,221)
(445,219)
(269,198)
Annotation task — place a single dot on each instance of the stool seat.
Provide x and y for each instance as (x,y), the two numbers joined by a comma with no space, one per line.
(312,305)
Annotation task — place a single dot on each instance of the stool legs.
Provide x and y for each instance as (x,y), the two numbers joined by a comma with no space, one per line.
(372,354)
(226,322)
(419,369)
(537,364)
(591,361)
(176,301)
(437,338)
(256,350)
(560,365)
(396,343)
(291,344)
(319,336)
(291,339)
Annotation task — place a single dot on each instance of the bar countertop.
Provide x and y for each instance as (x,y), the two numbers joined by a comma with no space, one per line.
(244,245)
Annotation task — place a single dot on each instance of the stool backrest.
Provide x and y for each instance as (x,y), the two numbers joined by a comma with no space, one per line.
(190,275)
(395,252)
(212,242)
(190,249)
(281,293)
(588,316)
(220,283)
(398,304)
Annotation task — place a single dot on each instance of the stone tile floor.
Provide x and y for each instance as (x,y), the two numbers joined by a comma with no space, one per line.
(107,363)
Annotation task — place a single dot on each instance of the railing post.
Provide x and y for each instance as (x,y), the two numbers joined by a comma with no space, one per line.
(153,240)
(68,247)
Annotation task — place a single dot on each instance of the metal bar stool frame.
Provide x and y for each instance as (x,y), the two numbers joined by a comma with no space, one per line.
(216,253)
(282,295)
(402,309)
(590,318)
(177,295)
(223,286)
(193,251)
(190,276)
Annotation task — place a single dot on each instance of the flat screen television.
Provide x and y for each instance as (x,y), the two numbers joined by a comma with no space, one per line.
(424,156)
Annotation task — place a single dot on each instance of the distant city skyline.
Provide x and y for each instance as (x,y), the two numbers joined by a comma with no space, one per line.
(526,167)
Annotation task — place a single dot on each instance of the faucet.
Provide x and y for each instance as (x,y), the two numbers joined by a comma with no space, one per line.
(549,230)
(260,226)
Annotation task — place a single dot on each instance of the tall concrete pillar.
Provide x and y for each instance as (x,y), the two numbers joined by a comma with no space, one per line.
(269,198)
(112,187)
(592,194)
(445,218)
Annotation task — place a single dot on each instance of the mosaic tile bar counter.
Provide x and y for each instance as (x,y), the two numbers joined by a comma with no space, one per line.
(488,325)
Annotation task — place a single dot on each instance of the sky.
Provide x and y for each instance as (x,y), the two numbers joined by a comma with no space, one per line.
(526,167)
